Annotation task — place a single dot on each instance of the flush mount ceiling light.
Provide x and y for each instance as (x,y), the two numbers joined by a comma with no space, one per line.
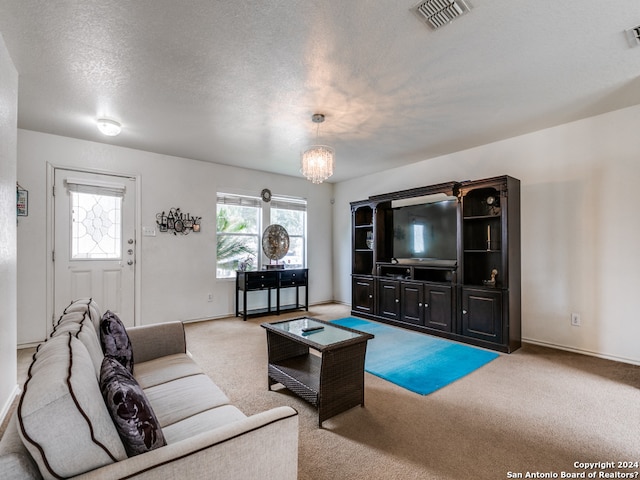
(317,161)
(109,127)
(438,13)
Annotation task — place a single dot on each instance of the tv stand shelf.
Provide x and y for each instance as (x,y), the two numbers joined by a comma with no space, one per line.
(420,272)
(442,259)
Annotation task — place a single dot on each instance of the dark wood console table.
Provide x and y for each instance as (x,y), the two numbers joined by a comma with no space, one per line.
(267,280)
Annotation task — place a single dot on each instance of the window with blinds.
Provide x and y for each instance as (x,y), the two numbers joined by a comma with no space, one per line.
(242,219)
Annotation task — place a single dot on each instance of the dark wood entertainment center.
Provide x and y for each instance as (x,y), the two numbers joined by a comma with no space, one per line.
(470,291)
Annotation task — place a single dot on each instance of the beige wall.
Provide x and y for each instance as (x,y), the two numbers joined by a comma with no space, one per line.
(579,219)
(8,126)
(176,272)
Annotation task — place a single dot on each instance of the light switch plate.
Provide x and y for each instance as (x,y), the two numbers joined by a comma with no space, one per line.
(148,232)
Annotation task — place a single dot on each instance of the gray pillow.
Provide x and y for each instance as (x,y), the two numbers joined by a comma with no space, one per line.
(115,341)
(130,410)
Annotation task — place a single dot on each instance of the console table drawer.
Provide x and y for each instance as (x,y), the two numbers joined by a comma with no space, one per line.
(293,278)
(262,280)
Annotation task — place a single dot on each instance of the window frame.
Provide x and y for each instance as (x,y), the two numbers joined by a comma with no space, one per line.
(265,218)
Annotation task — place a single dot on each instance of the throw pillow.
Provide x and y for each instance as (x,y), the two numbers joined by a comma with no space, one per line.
(115,341)
(130,410)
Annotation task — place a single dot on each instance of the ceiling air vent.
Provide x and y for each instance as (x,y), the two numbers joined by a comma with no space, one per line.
(437,13)
(633,34)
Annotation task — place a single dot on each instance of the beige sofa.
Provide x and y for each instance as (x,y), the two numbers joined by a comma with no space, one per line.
(63,429)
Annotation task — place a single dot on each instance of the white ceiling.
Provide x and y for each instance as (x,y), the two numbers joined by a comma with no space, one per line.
(236,82)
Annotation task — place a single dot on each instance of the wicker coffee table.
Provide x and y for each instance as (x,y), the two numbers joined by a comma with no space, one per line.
(332,381)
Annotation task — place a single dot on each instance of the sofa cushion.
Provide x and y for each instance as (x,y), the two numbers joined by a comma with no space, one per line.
(182,398)
(202,422)
(165,369)
(115,341)
(132,415)
(87,304)
(85,332)
(61,394)
(76,317)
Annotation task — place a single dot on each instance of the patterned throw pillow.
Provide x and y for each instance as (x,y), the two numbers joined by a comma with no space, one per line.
(130,410)
(115,341)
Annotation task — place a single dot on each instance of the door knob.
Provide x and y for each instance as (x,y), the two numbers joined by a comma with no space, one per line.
(130,241)
(130,262)
(130,251)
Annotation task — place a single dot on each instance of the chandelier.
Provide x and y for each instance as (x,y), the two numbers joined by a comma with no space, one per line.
(317,161)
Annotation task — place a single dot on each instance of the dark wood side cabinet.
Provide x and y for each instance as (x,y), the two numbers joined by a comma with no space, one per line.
(471,295)
(268,281)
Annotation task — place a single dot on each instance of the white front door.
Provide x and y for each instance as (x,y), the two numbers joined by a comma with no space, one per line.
(94,241)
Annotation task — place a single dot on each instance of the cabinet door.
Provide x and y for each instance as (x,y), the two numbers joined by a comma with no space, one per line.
(412,300)
(437,307)
(389,299)
(362,293)
(482,314)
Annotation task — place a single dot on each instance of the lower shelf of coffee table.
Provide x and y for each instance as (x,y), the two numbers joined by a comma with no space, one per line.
(299,374)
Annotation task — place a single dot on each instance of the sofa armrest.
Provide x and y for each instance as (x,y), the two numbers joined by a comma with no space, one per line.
(158,340)
(262,446)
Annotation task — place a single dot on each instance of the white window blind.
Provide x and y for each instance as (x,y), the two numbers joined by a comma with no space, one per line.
(95,187)
(238,200)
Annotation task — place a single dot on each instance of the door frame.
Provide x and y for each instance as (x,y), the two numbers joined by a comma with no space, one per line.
(50,236)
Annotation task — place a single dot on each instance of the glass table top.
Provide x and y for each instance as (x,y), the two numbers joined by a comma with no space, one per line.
(327,335)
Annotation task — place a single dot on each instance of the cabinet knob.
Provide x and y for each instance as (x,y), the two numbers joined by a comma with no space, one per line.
(370,296)
(464,312)
(426,305)
(397,300)
(419,304)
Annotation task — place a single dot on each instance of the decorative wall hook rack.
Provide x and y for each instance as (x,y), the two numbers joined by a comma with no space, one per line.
(177,222)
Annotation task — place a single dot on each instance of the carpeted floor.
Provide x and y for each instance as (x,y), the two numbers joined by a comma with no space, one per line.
(536,410)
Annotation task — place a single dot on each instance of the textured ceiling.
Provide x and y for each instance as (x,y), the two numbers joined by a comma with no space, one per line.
(236,82)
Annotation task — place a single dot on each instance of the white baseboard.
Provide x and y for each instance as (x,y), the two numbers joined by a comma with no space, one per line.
(231,314)
(7,406)
(615,358)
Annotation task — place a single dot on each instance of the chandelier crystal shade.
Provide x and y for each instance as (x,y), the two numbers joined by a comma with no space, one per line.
(317,161)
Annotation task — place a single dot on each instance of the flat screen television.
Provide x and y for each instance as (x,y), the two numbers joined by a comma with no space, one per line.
(426,233)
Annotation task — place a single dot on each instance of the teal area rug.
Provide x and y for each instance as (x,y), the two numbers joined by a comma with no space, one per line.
(416,361)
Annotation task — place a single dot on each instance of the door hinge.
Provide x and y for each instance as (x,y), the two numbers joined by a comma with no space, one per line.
(53,191)
(53,255)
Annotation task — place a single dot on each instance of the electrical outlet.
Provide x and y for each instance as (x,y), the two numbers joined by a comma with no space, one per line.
(575,319)
(210,297)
